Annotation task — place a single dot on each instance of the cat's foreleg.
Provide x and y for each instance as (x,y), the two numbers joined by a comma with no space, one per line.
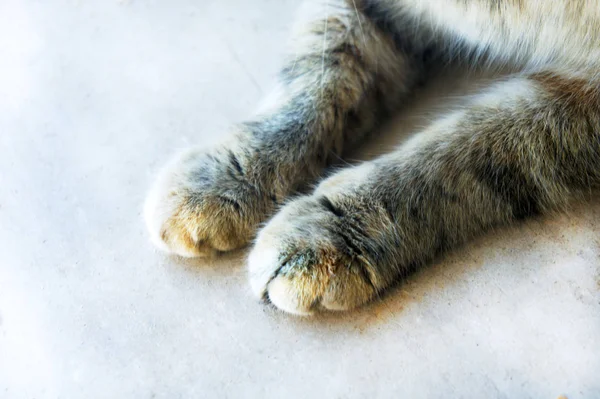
(343,75)
(526,146)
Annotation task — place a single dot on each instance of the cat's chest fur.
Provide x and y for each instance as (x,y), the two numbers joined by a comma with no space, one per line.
(531,33)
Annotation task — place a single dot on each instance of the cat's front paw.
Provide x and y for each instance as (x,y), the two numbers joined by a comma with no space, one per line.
(202,202)
(317,252)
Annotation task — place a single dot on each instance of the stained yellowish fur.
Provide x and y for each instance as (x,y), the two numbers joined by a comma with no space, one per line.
(526,145)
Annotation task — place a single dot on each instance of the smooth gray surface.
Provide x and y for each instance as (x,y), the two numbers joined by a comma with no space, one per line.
(94,97)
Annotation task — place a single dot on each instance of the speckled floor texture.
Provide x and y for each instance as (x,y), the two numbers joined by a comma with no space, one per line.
(95,96)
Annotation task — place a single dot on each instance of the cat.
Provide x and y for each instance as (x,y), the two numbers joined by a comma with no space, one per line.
(526,145)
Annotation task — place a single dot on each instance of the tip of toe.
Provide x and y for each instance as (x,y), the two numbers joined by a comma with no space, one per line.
(262,265)
(282,293)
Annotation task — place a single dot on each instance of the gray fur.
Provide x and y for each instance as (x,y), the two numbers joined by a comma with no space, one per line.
(525,146)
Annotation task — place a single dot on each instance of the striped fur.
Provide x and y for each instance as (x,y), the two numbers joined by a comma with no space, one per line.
(526,145)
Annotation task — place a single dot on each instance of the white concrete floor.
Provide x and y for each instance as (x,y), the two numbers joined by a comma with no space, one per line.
(94,97)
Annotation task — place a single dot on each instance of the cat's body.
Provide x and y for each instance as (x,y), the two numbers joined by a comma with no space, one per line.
(526,145)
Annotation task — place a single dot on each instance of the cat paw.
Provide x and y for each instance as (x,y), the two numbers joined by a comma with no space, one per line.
(202,203)
(317,253)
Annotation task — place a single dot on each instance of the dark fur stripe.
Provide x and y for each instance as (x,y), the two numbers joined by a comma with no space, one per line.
(327,204)
(508,182)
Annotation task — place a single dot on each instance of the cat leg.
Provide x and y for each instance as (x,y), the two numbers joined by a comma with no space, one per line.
(344,74)
(525,146)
